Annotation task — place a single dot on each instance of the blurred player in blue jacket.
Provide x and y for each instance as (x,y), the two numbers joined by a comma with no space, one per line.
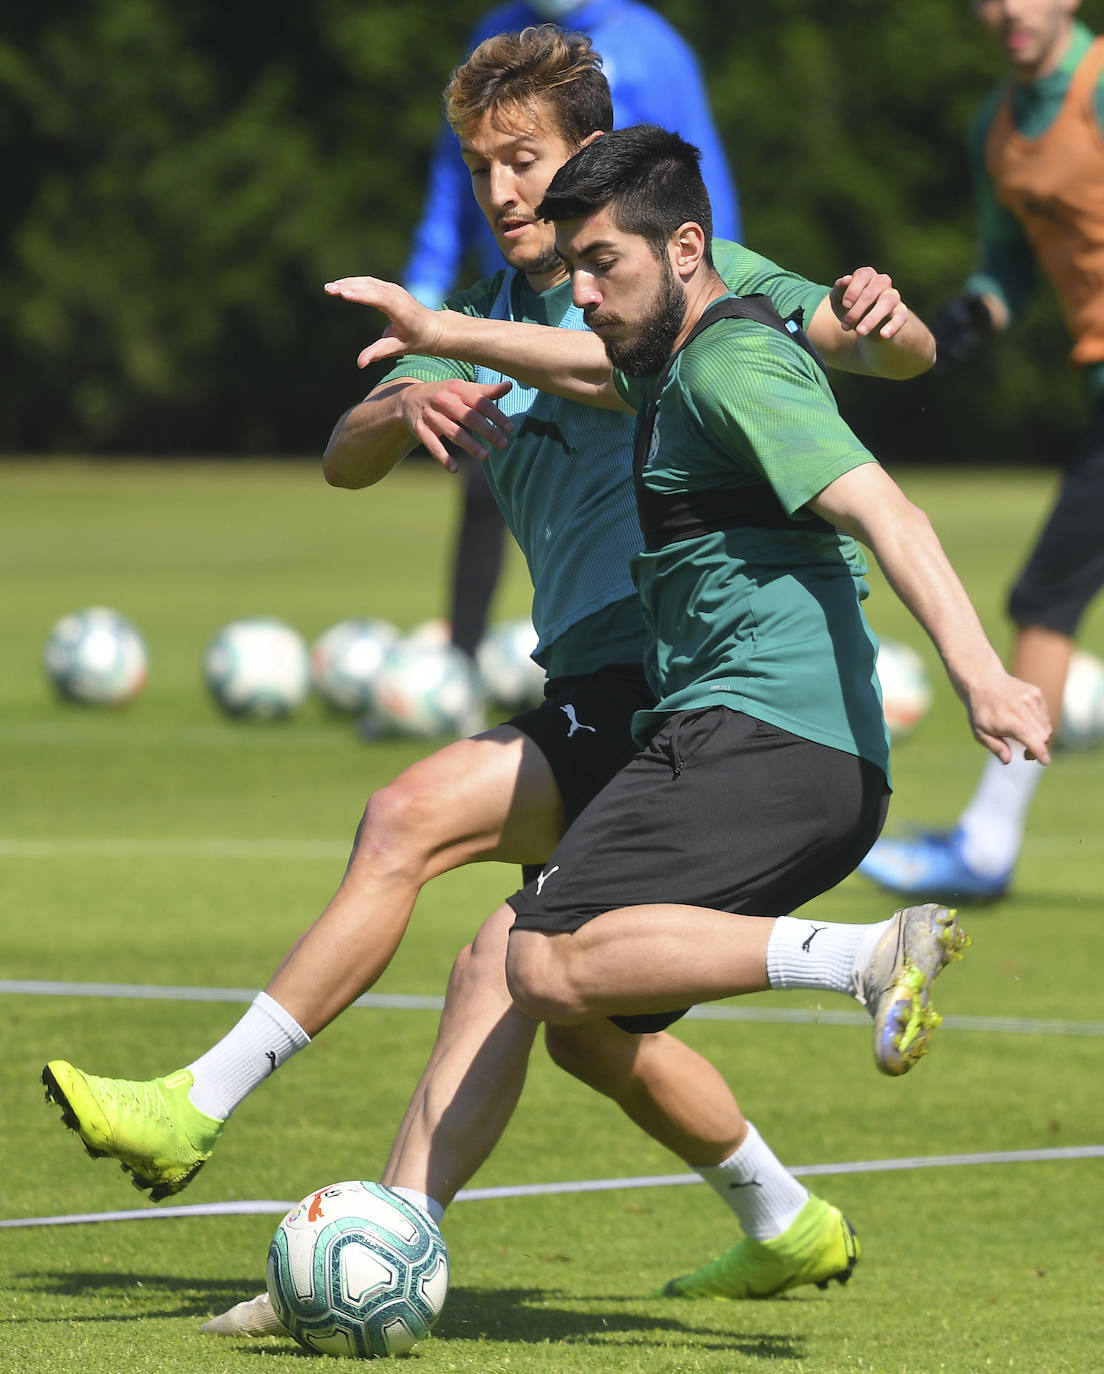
(654,78)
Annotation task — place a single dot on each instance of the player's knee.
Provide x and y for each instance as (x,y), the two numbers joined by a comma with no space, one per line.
(537,980)
(597,1054)
(478,972)
(473,977)
(463,973)
(578,1053)
(398,827)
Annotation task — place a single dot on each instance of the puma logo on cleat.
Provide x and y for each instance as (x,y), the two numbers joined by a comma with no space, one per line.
(542,877)
(575,724)
(807,942)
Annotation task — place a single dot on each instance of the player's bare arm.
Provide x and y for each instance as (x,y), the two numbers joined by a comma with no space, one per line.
(868,504)
(398,415)
(864,326)
(565,362)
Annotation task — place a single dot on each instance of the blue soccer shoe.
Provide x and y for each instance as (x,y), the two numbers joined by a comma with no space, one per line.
(930,867)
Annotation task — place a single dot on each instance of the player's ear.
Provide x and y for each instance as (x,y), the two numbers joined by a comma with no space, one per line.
(591,137)
(686,247)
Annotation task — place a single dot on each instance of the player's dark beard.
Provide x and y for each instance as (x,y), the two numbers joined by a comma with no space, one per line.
(651,344)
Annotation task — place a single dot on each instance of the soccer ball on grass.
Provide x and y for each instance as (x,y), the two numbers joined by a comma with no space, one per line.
(258,667)
(357,1270)
(97,657)
(345,662)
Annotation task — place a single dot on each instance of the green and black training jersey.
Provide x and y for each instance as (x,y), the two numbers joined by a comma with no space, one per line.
(762,620)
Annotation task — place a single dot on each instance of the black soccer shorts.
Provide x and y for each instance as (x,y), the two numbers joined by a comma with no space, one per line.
(1065,570)
(720,810)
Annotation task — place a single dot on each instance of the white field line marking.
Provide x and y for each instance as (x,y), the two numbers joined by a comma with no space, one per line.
(802,1016)
(595,1185)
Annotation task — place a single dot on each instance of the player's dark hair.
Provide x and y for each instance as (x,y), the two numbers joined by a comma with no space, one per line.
(516,77)
(649,179)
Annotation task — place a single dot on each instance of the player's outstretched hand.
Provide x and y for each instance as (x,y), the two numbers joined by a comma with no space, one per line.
(413,327)
(867,302)
(1004,708)
(456,412)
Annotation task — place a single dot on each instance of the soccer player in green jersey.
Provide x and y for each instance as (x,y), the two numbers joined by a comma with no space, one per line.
(762,774)
(523,104)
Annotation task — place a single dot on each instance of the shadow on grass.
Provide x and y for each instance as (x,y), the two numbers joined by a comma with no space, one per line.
(142,1296)
(533,1316)
(519,1316)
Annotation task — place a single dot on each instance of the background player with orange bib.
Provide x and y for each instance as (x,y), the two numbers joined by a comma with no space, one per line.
(1038,152)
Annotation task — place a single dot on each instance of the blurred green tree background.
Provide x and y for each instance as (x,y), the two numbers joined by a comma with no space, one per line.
(181,176)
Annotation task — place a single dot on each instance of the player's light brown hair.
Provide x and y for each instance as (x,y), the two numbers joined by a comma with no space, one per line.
(516,78)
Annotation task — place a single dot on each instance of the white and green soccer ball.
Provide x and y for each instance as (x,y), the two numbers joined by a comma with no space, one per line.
(1082,723)
(426,689)
(510,677)
(258,667)
(346,659)
(97,657)
(357,1270)
(906,690)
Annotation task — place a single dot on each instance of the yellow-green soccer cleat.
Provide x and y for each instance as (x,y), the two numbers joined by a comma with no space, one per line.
(895,986)
(819,1246)
(150,1127)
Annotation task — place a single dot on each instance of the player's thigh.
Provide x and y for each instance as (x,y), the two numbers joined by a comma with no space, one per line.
(492,796)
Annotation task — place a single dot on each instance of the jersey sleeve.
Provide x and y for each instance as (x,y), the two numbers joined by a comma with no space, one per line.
(764,403)
(747,274)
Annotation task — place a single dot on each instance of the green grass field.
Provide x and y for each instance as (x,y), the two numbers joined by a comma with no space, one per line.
(166,845)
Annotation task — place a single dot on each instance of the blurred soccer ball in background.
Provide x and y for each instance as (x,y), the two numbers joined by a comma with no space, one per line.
(357,1270)
(96,656)
(906,691)
(1082,723)
(346,659)
(427,690)
(510,677)
(257,668)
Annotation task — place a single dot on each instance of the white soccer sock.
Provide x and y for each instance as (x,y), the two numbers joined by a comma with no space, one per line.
(428,1204)
(266,1037)
(993,824)
(807,954)
(755,1185)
